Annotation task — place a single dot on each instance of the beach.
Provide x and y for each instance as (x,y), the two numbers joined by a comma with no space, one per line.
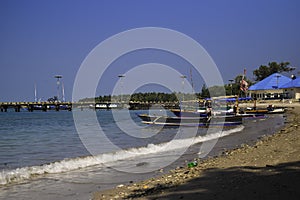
(268,169)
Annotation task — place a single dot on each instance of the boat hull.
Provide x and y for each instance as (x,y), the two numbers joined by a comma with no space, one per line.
(265,111)
(191,121)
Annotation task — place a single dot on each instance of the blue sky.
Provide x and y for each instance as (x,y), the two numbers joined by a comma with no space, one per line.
(40,39)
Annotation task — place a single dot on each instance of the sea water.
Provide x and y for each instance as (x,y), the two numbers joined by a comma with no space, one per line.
(42,153)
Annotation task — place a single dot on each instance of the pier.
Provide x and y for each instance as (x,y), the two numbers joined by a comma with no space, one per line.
(31,106)
(57,106)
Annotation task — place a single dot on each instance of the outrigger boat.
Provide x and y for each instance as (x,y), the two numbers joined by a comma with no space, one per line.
(200,112)
(271,109)
(202,117)
(215,121)
(226,111)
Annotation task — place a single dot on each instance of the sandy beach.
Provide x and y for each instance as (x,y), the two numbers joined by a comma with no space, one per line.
(269,169)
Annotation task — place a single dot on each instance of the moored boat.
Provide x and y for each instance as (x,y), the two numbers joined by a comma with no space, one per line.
(269,110)
(189,113)
(191,121)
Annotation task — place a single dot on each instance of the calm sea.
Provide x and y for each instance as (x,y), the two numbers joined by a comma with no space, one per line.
(44,153)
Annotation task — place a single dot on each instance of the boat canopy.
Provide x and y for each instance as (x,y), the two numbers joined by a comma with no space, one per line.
(229,99)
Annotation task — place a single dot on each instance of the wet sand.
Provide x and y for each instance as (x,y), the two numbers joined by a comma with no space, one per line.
(269,169)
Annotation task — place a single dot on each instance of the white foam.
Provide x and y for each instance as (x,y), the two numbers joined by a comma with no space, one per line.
(25,173)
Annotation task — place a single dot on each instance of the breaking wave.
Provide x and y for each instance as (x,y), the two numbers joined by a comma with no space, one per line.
(66,165)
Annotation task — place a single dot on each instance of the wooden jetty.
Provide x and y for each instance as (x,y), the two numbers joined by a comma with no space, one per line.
(31,106)
(57,106)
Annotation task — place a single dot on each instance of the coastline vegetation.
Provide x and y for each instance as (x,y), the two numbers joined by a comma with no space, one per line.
(232,88)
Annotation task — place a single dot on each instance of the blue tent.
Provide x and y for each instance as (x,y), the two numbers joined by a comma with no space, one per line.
(231,99)
(292,83)
(272,82)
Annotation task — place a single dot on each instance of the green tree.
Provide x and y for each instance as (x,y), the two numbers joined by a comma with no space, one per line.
(204,91)
(273,67)
(217,90)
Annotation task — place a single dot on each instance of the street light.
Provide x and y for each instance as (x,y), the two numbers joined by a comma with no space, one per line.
(58,77)
(35,93)
(183,77)
(277,76)
(121,76)
(63,91)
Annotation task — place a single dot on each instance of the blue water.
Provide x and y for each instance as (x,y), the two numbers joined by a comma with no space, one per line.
(36,138)
(45,149)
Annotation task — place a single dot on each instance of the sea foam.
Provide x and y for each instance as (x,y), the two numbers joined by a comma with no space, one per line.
(66,165)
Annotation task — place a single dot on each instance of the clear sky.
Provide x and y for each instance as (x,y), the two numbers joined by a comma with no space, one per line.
(39,39)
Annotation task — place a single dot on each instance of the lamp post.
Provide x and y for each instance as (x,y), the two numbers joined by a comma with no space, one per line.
(35,93)
(277,81)
(183,77)
(121,76)
(277,85)
(293,77)
(63,91)
(58,77)
(230,80)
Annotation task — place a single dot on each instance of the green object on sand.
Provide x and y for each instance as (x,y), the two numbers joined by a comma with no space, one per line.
(192,164)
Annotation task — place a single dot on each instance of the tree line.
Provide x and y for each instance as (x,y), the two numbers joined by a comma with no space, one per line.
(232,88)
(155,97)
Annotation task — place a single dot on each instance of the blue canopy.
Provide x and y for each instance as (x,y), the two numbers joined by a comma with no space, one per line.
(292,83)
(232,99)
(273,81)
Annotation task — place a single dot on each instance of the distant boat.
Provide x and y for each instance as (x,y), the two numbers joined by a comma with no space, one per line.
(99,106)
(113,105)
(106,106)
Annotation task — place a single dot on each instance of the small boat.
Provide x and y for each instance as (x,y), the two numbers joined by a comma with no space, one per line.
(202,112)
(216,121)
(229,114)
(269,110)
(189,113)
(98,106)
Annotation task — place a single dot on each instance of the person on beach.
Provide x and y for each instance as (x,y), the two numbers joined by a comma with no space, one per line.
(235,109)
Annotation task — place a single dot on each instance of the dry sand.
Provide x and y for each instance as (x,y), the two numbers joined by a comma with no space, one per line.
(268,170)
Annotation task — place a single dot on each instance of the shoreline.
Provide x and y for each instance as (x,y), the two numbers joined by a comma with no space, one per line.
(269,169)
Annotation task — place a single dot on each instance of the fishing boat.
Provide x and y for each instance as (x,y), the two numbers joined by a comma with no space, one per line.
(271,109)
(268,110)
(189,113)
(222,105)
(191,121)
(202,112)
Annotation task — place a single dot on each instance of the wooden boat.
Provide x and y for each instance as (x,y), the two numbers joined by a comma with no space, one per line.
(197,113)
(268,110)
(191,121)
(189,113)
